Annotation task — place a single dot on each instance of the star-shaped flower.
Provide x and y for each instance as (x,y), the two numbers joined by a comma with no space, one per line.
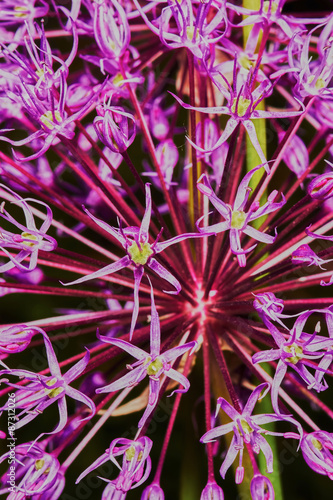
(140,252)
(154,364)
(236,219)
(43,391)
(246,429)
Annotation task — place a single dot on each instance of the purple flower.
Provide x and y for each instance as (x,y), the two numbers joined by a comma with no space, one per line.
(16,339)
(43,391)
(111,28)
(154,364)
(30,240)
(242,103)
(212,491)
(135,468)
(236,219)
(317,448)
(298,353)
(304,255)
(140,252)
(261,488)
(114,127)
(37,474)
(246,429)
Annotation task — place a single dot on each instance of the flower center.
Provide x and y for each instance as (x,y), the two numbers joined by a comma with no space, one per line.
(52,393)
(296,351)
(266,7)
(245,426)
(317,444)
(39,464)
(130,454)
(47,119)
(140,255)
(240,105)
(118,80)
(237,219)
(155,367)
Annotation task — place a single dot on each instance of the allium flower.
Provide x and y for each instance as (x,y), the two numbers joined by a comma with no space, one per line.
(30,240)
(135,468)
(37,473)
(297,352)
(43,391)
(206,284)
(236,218)
(154,364)
(247,430)
(317,448)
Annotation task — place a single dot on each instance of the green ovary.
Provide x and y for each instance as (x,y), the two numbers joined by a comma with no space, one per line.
(296,351)
(240,106)
(47,119)
(140,255)
(52,393)
(130,454)
(154,367)
(237,219)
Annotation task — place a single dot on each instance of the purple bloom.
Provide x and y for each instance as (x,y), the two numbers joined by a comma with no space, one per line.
(242,103)
(261,488)
(154,364)
(37,474)
(16,339)
(236,219)
(304,255)
(43,391)
(30,240)
(246,429)
(298,353)
(111,28)
(114,127)
(140,252)
(135,468)
(317,448)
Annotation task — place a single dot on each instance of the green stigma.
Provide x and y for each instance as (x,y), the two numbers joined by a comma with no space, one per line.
(140,255)
(296,351)
(190,33)
(154,367)
(237,219)
(130,454)
(245,426)
(242,105)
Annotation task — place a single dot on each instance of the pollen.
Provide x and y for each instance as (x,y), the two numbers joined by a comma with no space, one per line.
(238,219)
(140,255)
(39,464)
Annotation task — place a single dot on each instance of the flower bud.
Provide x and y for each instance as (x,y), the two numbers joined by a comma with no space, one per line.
(321,187)
(114,127)
(153,492)
(212,491)
(317,448)
(261,488)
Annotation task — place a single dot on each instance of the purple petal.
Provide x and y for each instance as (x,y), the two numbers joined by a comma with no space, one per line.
(111,268)
(166,275)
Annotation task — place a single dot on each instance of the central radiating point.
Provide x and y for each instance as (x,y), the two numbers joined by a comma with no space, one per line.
(238,218)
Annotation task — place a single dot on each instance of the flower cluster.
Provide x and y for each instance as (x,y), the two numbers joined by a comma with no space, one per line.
(124,300)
